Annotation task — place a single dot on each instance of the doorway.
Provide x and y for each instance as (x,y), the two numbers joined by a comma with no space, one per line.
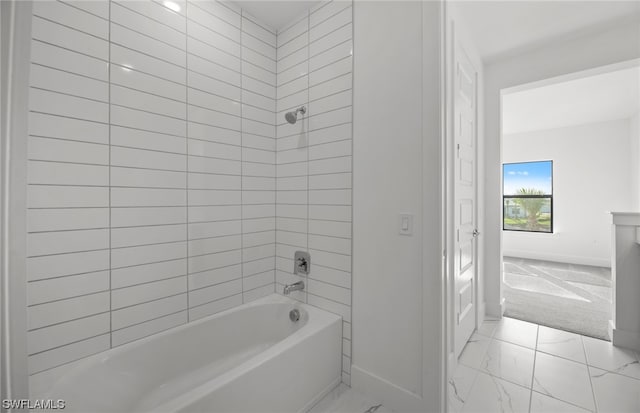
(566,161)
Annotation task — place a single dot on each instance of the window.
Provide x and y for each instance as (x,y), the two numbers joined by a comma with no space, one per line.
(527,196)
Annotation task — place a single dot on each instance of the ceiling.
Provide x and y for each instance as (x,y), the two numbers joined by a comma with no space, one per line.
(276,14)
(599,98)
(504,28)
(529,24)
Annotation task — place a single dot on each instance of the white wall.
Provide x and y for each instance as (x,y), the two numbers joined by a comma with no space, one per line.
(397,170)
(614,45)
(634,160)
(313,163)
(591,176)
(387,178)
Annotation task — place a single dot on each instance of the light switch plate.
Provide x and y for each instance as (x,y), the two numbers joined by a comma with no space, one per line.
(405,224)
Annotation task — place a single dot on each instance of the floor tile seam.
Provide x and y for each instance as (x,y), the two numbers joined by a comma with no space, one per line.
(562,357)
(517,320)
(564,401)
(515,344)
(607,369)
(533,370)
(480,370)
(614,372)
(469,366)
(473,383)
(573,403)
(484,335)
(507,380)
(593,391)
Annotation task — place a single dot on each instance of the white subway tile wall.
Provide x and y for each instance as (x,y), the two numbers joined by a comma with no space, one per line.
(313,159)
(152,151)
(164,184)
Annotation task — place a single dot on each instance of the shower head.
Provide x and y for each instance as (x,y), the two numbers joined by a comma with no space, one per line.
(292,117)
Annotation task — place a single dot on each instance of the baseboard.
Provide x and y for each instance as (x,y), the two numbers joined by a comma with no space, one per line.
(494,310)
(610,328)
(569,259)
(391,396)
(626,339)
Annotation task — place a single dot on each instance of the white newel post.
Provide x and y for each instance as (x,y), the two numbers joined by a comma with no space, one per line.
(624,328)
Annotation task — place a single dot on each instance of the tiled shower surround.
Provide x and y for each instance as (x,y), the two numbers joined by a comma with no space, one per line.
(313,159)
(164,183)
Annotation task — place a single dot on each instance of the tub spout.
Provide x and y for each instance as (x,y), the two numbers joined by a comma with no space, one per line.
(293,287)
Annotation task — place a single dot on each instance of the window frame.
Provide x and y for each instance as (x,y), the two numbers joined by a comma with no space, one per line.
(549,196)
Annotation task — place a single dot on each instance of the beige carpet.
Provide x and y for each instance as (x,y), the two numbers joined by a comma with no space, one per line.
(569,297)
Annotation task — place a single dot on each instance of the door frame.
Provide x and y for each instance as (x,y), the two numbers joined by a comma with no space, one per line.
(15,57)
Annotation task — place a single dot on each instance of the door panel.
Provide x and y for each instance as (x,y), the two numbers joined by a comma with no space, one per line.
(465,135)
(466,172)
(465,297)
(466,212)
(466,257)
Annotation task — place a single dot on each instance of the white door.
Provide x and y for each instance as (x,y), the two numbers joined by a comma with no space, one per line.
(464,110)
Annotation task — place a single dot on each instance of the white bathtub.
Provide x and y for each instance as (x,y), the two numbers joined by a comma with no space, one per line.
(247,359)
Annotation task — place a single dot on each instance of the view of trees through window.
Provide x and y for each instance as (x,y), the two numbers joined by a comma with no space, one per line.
(527,196)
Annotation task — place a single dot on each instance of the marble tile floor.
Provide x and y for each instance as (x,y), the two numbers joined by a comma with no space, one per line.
(344,399)
(516,366)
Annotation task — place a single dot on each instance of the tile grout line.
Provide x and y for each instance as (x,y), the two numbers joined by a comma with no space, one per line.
(75,360)
(473,382)
(242,12)
(306,122)
(110,228)
(586,361)
(533,370)
(275,167)
(277,184)
(351,195)
(186,139)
